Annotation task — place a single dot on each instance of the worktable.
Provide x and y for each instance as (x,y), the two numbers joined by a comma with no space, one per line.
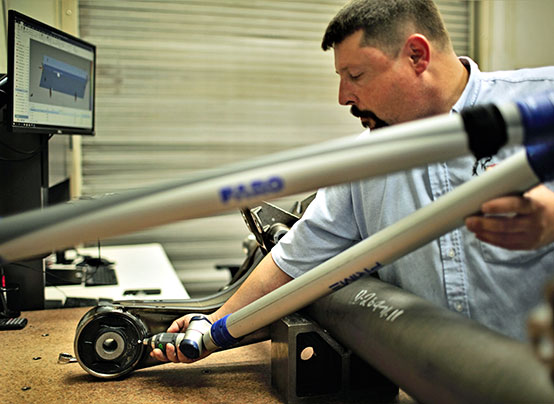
(30,373)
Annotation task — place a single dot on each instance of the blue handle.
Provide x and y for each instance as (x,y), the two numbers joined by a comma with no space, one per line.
(537,116)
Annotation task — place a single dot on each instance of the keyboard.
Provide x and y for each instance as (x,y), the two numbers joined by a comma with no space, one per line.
(101,275)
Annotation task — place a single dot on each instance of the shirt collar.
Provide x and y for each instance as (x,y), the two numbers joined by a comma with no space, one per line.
(471,90)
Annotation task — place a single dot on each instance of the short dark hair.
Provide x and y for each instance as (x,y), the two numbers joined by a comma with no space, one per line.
(383,21)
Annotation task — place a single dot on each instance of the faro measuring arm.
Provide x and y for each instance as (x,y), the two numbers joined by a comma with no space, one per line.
(481,131)
(531,121)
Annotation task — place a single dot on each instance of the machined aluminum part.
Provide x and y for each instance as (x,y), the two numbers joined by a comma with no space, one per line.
(106,341)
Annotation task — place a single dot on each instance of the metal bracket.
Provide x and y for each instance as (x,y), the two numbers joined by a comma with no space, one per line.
(307,364)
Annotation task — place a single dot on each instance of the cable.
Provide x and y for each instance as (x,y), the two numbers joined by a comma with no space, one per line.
(40,271)
(90,274)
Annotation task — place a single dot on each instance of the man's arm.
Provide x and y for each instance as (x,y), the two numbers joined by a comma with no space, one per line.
(527,224)
(266,277)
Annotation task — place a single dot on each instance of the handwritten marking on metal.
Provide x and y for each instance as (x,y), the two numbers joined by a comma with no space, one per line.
(370,300)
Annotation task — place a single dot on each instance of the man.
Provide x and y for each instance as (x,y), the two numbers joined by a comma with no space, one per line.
(396,64)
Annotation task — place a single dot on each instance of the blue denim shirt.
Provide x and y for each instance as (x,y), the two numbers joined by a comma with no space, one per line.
(494,286)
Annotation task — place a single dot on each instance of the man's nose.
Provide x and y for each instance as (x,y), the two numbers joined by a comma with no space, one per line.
(346,94)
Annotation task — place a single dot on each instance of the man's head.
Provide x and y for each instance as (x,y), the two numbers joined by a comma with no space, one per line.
(387,23)
(382,54)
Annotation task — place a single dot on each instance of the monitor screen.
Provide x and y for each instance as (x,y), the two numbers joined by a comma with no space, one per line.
(51,79)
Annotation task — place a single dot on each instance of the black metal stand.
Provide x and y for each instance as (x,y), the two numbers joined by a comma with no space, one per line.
(23,186)
(307,365)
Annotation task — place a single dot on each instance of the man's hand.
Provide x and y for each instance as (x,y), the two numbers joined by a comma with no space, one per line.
(266,277)
(172,353)
(516,222)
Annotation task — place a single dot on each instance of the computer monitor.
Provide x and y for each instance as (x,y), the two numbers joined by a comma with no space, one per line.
(49,90)
(51,79)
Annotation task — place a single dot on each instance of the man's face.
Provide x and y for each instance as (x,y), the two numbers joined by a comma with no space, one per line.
(372,83)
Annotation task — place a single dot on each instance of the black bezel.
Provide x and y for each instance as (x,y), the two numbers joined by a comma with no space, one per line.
(14,16)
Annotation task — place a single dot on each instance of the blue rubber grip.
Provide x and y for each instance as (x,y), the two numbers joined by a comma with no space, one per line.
(220,335)
(537,115)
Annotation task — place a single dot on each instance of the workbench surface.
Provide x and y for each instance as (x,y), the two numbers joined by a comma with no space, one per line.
(30,373)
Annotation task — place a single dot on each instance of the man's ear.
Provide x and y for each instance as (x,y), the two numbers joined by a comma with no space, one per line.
(418,50)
